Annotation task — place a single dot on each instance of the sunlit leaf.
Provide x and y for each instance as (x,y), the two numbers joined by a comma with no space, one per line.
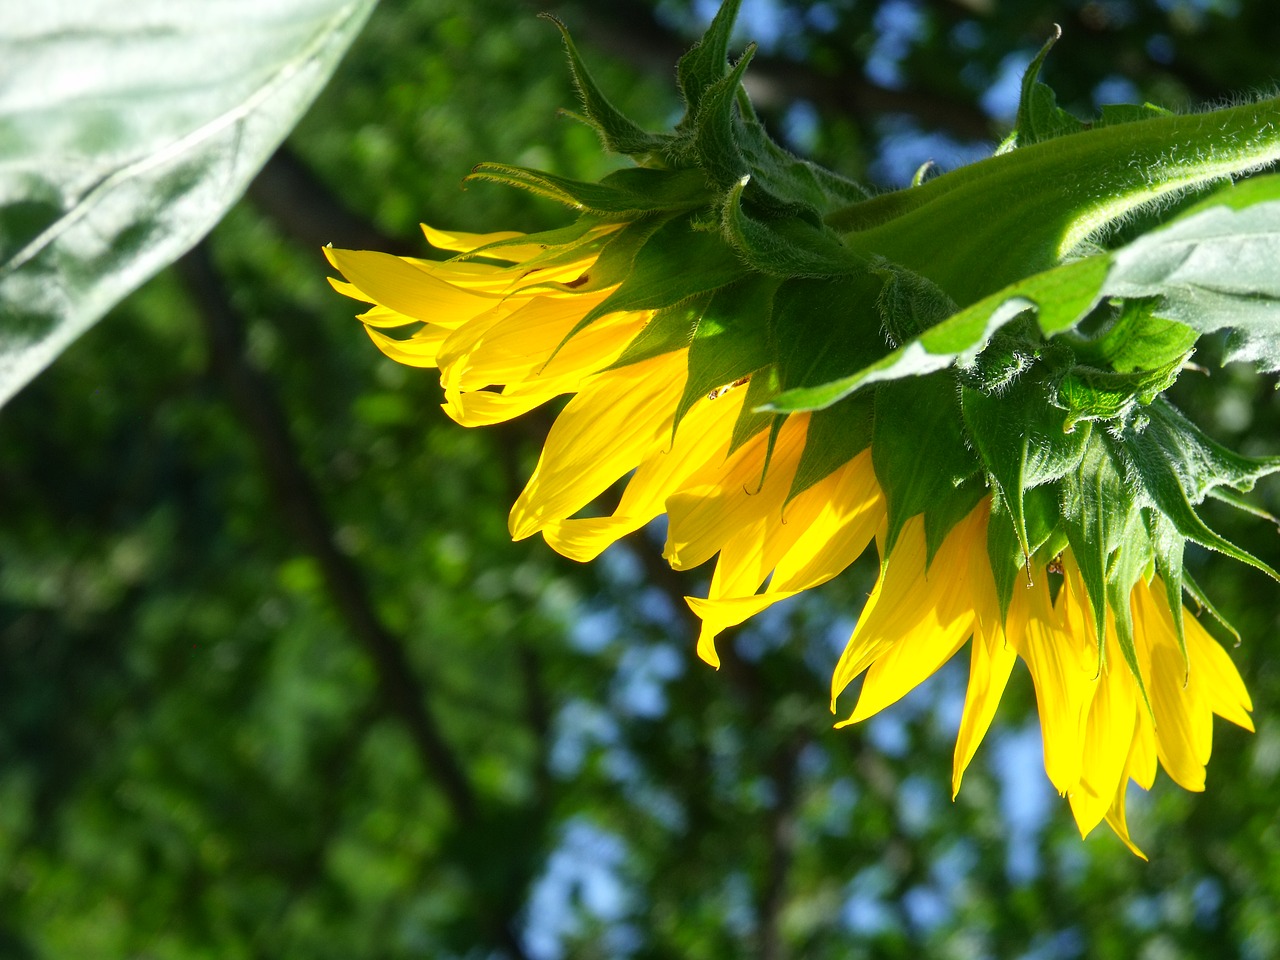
(126,131)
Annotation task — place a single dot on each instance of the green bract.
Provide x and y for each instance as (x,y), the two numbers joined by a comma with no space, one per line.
(984,331)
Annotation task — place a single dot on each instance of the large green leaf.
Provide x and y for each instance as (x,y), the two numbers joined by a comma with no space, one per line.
(126,131)
(1215,267)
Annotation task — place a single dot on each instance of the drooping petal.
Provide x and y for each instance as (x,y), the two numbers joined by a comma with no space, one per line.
(1108,742)
(695,456)
(823,530)
(704,518)
(952,585)
(602,433)
(1183,721)
(1058,652)
(991,661)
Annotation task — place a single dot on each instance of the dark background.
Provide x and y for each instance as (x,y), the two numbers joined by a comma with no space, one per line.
(277,684)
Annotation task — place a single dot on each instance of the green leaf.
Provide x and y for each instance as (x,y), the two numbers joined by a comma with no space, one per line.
(920,456)
(1136,339)
(1096,503)
(620,196)
(1088,393)
(730,339)
(1170,464)
(617,131)
(1062,297)
(1214,267)
(1023,441)
(126,137)
(678,262)
(707,61)
(835,436)
(1039,116)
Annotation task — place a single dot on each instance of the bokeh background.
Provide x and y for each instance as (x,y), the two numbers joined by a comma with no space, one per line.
(275,683)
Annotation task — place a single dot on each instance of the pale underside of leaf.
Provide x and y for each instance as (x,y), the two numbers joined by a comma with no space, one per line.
(126,131)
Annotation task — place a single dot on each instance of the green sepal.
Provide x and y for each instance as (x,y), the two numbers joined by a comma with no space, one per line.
(622,195)
(1045,539)
(836,435)
(617,132)
(1168,545)
(775,427)
(780,180)
(679,262)
(617,257)
(1126,567)
(1095,506)
(1203,464)
(918,448)
(670,328)
(824,328)
(714,142)
(1193,589)
(1022,440)
(706,61)
(1004,553)
(762,385)
(964,496)
(908,303)
(1233,499)
(1088,393)
(730,339)
(785,246)
(1163,460)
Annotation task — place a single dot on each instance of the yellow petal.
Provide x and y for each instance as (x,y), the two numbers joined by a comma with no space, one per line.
(417,351)
(602,433)
(520,344)
(704,518)
(394,283)
(991,660)
(818,534)
(1108,742)
(1117,820)
(461,242)
(694,458)
(1064,678)
(377,316)
(1183,720)
(1218,675)
(852,510)
(719,615)
(947,594)
(476,408)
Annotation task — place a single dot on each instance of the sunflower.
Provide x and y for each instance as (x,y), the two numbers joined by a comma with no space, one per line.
(793,370)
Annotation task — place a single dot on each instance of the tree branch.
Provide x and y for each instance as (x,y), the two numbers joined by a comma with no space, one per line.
(296,498)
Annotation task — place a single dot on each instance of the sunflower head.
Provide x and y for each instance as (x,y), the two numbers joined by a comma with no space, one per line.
(968,372)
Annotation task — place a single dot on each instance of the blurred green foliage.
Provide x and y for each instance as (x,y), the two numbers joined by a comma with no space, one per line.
(202,753)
